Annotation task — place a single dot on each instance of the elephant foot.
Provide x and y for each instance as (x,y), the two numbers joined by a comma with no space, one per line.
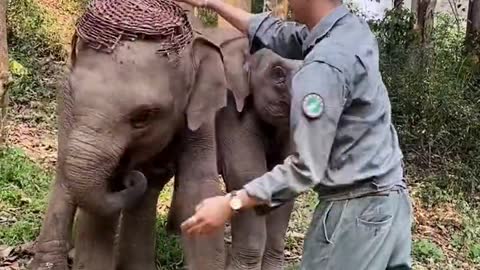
(273,260)
(52,255)
(245,260)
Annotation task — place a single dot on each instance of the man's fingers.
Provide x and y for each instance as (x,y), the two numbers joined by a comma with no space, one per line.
(189,223)
(200,205)
(197,229)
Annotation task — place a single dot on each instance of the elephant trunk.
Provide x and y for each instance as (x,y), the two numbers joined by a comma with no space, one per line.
(91,163)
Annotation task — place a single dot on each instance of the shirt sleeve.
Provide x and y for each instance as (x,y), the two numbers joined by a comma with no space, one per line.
(313,137)
(284,38)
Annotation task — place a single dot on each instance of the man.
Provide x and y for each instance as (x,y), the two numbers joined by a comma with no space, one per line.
(347,147)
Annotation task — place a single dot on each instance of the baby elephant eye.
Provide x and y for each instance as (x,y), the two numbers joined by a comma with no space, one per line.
(142,118)
(279,75)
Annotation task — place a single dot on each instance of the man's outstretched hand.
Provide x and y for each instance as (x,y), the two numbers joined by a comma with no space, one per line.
(210,215)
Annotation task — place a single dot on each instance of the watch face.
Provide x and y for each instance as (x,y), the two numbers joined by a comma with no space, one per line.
(235,203)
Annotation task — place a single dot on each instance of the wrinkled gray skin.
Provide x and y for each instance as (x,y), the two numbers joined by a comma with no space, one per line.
(253,137)
(124,118)
(132,116)
(251,142)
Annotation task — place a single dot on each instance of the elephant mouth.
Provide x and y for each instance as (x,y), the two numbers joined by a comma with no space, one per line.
(116,179)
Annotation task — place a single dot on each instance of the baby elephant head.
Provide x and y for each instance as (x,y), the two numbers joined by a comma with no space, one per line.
(270,77)
(265,75)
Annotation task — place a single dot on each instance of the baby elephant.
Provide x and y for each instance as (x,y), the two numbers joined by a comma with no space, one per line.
(251,141)
(252,134)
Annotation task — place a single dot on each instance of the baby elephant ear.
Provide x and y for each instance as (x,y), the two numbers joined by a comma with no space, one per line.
(237,70)
(209,93)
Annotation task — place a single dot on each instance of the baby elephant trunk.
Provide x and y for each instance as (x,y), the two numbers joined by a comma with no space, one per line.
(91,167)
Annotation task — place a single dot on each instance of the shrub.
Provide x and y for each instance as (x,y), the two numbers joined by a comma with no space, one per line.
(435,94)
(34,47)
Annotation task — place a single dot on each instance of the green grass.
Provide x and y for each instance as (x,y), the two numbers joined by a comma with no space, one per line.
(168,249)
(23,195)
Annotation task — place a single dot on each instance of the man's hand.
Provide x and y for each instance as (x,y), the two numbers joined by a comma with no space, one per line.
(211,215)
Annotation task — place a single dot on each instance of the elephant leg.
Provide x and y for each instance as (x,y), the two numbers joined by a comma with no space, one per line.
(243,158)
(277,224)
(137,234)
(54,241)
(278,219)
(196,179)
(94,241)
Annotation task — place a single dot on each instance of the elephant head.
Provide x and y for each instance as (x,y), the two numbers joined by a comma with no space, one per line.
(270,77)
(125,107)
(265,76)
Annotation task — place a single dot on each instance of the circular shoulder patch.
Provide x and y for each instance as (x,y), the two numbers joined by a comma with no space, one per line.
(313,105)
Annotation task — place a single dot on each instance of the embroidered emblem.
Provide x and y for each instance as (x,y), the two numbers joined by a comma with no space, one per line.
(313,105)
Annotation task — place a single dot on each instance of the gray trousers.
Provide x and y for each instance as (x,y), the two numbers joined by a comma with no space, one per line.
(366,233)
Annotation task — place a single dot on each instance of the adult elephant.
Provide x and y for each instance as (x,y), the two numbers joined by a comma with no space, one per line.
(125,117)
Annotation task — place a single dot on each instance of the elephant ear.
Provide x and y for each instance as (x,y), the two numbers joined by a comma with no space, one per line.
(209,92)
(236,69)
(73,50)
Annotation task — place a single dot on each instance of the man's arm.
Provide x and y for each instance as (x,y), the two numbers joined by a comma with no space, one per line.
(319,90)
(318,98)
(263,30)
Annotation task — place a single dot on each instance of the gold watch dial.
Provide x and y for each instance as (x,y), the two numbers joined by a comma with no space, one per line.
(235,203)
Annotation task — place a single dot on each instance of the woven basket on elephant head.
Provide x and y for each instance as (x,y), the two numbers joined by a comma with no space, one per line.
(105,23)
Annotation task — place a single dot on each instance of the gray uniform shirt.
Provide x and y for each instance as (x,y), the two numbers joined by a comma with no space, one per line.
(346,145)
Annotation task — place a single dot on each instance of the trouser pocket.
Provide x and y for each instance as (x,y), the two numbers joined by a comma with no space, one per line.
(331,219)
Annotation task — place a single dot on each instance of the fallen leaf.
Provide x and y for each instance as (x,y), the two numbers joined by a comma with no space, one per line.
(5,251)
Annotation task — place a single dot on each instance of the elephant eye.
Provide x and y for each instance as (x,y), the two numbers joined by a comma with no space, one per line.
(278,74)
(142,118)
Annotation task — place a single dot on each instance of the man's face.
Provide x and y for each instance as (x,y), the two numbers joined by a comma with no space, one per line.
(299,9)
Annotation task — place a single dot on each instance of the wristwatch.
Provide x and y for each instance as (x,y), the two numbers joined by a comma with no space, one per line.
(235,202)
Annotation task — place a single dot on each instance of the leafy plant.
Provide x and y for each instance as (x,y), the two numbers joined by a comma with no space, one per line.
(34,45)
(425,250)
(475,253)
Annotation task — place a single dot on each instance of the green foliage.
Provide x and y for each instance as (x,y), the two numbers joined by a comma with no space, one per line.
(208,17)
(257,6)
(474,253)
(394,33)
(425,250)
(34,48)
(466,240)
(435,94)
(23,193)
(169,253)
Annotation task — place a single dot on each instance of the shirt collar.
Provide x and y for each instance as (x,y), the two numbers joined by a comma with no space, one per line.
(324,26)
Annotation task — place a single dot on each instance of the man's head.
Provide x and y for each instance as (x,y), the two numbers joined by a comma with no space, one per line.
(310,12)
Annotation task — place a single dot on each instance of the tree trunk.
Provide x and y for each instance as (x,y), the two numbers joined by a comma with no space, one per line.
(425,19)
(473,27)
(4,75)
(398,3)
